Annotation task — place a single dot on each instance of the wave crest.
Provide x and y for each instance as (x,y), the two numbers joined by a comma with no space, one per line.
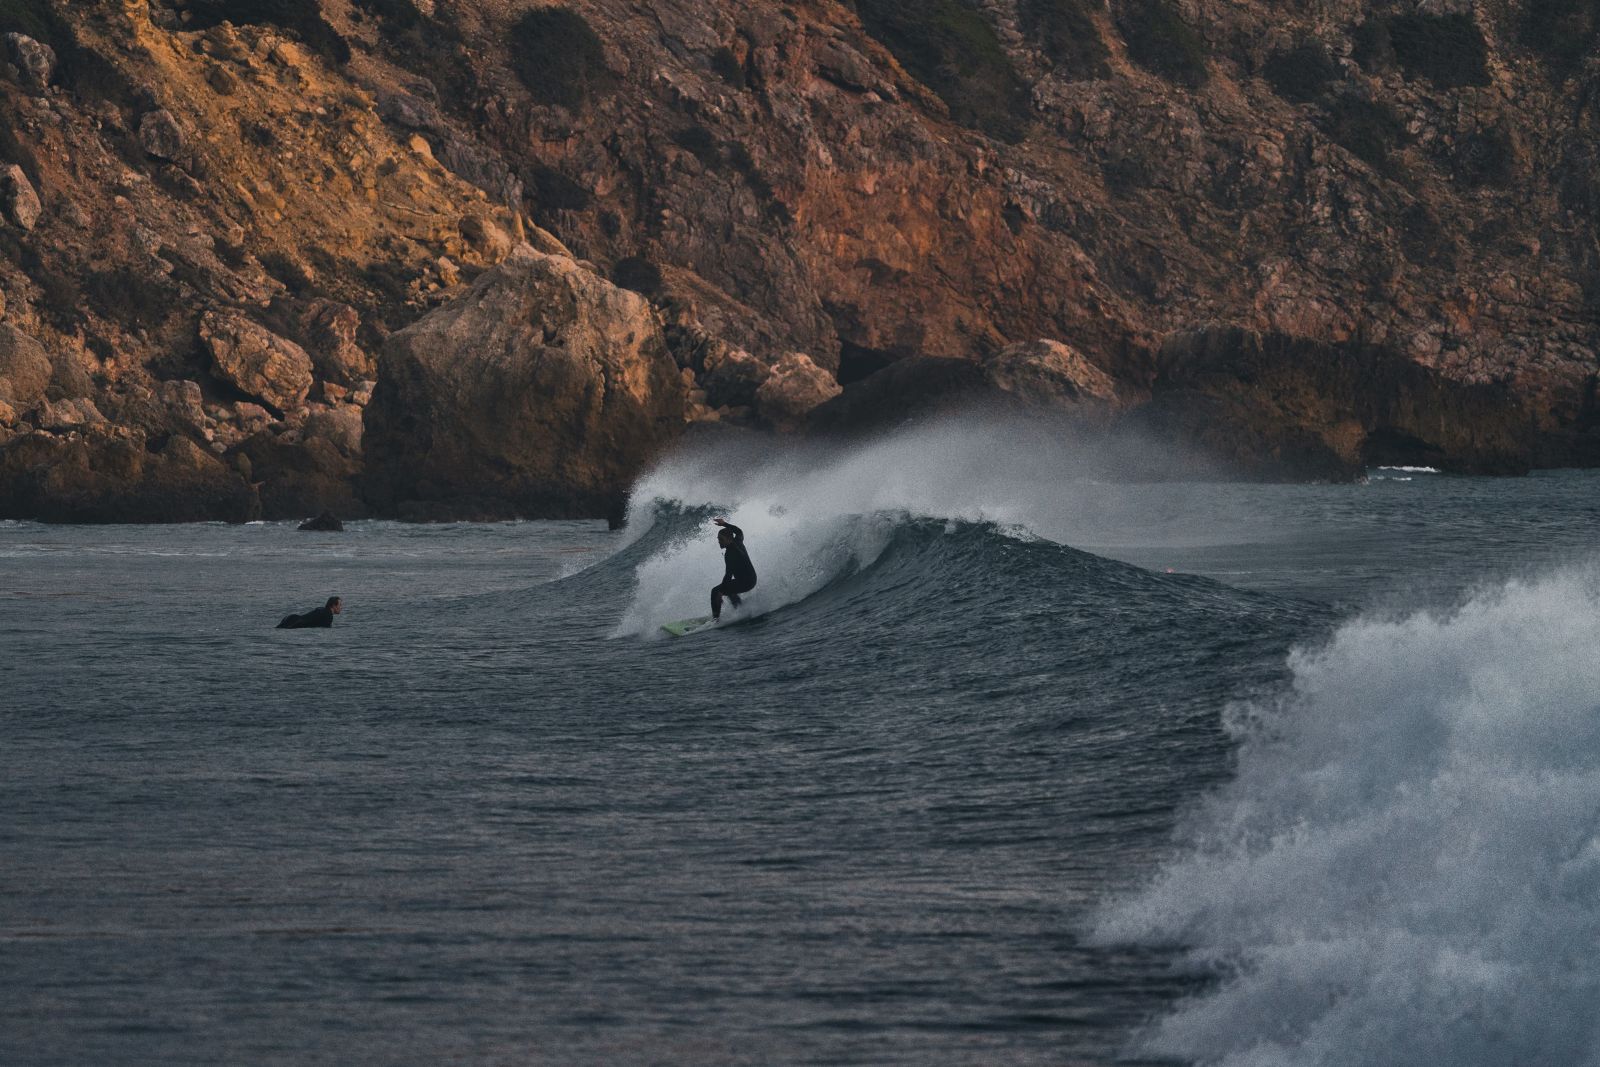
(1406,867)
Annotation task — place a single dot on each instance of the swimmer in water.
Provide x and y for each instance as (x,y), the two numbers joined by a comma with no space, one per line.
(320,617)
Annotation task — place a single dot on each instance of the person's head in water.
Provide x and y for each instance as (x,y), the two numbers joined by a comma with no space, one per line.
(333,605)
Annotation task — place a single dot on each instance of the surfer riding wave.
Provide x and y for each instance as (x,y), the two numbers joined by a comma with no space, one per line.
(739,574)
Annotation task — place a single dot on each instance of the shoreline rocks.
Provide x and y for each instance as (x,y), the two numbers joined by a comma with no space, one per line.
(539,393)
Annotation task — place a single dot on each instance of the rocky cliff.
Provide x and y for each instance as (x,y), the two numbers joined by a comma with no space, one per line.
(438,257)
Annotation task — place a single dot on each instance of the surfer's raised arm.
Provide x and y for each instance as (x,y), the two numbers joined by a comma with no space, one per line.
(738,534)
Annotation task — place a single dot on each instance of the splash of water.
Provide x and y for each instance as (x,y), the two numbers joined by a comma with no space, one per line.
(812,511)
(1406,867)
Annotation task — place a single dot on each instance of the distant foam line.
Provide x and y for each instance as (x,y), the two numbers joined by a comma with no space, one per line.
(1412,470)
(1406,867)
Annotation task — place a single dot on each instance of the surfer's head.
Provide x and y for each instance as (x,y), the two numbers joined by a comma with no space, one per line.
(333,604)
(724,538)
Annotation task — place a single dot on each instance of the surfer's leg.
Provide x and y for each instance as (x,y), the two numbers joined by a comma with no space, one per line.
(716,602)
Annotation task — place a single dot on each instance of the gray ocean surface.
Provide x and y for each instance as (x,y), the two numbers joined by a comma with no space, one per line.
(978,776)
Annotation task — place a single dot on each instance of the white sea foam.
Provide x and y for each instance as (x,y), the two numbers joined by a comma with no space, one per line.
(1406,867)
(1412,470)
(810,510)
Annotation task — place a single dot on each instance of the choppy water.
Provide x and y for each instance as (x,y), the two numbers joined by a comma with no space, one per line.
(974,778)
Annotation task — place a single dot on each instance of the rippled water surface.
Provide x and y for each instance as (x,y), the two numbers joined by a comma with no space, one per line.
(924,802)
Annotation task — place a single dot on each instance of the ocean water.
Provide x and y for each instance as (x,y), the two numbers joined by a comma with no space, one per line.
(1005,761)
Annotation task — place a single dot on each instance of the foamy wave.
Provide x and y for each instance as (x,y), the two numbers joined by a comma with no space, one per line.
(810,509)
(1406,867)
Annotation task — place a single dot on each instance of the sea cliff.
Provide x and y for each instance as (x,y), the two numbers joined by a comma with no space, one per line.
(439,258)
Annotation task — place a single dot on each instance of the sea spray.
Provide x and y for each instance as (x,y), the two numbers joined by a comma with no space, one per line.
(812,510)
(1406,866)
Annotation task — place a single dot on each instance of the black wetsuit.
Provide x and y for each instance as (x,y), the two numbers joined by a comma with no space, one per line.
(739,575)
(320,617)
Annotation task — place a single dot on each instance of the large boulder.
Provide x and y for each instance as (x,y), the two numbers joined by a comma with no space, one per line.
(69,377)
(161,136)
(312,470)
(1049,374)
(541,391)
(64,415)
(329,331)
(1036,378)
(18,199)
(255,360)
(25,368)
(35,61)
(792,390)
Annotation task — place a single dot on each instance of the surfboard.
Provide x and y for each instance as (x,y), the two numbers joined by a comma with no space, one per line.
(685,627)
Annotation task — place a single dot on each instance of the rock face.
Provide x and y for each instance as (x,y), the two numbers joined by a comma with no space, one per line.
(104,477)
(255,360)
(539,392)
(1187,215)
(1276,407)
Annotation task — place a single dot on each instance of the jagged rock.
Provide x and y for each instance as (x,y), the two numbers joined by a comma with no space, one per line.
(161,136)
(183,399)
(64,415)
(539,391)
(906,390)
(223,80)
(329,330)
(340,426)
(69,378)
(1049,374)
(36,61)
(485,238)
(255,360)
(20,202)
(2,303)
(795,387)
(100,476)
(8,414)
(483,168)
(730,376)
(1275,407)
(25,368)
(408,111)
(302,474)
(251,415)
(327,522)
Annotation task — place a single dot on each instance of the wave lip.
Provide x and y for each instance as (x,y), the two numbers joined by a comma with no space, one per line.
(1406,868)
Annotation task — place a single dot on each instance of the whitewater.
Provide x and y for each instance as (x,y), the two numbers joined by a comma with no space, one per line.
(1016,754)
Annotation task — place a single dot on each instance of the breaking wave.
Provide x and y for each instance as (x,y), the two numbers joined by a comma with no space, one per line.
(1406,866)
(814,512)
